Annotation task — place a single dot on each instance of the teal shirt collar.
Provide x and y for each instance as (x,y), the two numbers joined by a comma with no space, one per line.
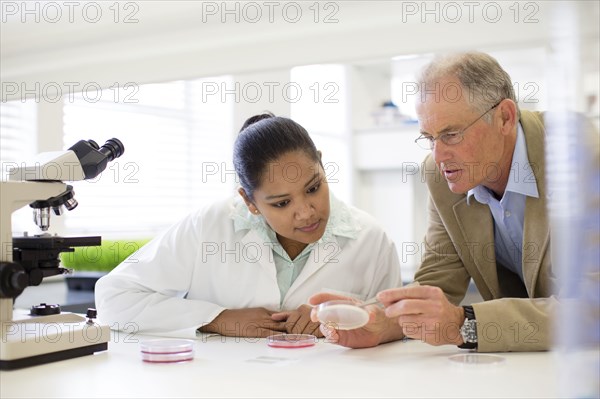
(341,222)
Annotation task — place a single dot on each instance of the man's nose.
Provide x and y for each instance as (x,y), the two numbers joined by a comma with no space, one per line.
(441,152)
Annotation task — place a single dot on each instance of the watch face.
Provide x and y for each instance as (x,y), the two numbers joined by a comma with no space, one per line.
(469,331)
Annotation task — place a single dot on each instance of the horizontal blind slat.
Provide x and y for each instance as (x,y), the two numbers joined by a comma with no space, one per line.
(158,179)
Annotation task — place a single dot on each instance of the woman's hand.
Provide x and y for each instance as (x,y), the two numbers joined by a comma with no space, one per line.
(252,322)
(380,329)
(298,321)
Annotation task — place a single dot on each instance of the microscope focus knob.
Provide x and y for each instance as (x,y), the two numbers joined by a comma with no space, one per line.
(44,310)
(19,280)
(91,313)
(13,279)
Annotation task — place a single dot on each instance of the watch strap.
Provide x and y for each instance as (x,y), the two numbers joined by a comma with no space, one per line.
(469,315)
(469,312)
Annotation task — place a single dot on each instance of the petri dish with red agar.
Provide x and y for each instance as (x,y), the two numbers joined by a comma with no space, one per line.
(167,350)
(291,340)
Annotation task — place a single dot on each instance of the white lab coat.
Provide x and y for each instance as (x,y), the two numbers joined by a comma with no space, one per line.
(201,266)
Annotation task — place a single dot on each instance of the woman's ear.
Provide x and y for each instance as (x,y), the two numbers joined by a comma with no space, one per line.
(251,207)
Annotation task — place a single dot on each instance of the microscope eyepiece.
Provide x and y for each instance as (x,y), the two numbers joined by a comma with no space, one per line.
(113,148)
(93,159)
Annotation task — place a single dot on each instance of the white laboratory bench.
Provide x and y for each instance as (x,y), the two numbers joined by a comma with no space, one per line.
(245,367)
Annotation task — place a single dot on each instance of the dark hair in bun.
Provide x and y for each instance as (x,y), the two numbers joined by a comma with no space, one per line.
(263,139)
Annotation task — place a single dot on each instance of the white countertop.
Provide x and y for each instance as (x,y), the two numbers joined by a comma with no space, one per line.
(246,367)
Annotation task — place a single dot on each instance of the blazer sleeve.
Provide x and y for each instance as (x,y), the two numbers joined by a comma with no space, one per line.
(441,265)
(515,324)
(146,292)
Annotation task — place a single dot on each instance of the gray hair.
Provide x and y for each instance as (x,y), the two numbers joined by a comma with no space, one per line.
(484,80)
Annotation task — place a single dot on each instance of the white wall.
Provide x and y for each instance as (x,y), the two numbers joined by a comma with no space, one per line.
(154,41)
(172,40)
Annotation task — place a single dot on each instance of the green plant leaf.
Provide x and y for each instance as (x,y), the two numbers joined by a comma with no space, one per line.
(104,257)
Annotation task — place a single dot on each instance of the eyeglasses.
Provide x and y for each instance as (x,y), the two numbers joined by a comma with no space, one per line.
(450,138)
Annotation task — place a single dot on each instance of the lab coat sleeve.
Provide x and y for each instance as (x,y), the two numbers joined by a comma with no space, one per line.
(387,274)
(384,272)
(146,292)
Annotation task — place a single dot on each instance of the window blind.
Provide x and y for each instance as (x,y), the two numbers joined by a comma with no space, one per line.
(17,132)
(176,141)
(322,110)
(18,143)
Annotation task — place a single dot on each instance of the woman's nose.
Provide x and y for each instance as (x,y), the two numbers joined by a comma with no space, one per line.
(305,210)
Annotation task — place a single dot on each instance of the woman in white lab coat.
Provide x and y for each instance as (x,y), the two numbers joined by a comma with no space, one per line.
(246,266)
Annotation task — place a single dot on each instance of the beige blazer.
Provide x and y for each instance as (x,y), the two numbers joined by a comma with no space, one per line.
(459,245)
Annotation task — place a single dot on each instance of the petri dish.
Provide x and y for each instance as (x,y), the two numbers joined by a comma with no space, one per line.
(167,357)
(476,359)
(342,315)
(291,340)
(167,350)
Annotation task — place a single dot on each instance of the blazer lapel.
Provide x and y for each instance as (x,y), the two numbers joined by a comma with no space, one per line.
(536,226)
(476,224)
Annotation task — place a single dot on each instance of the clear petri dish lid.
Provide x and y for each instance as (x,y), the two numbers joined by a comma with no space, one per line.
(167,357)
(476,359)
(291,340)
(167,346)
(342,315)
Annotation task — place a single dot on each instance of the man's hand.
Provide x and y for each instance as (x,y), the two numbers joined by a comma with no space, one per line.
(252,322)
(298,321)
(424,313)
(378,330)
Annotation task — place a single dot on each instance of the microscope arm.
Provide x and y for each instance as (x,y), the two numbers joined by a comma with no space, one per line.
(15,195)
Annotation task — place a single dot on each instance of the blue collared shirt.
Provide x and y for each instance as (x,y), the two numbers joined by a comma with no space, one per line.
(509,212)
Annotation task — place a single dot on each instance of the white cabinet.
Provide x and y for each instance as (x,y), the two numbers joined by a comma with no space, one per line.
(389,186)
(388,148)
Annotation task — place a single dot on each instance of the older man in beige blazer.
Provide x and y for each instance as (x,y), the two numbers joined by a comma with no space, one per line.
(487,220)
(461,245)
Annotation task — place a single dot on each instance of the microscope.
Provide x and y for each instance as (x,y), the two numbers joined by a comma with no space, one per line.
(45,334)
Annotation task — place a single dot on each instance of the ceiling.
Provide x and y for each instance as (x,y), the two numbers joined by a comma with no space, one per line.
(148,41)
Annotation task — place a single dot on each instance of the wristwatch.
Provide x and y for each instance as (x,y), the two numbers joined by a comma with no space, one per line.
(468,331)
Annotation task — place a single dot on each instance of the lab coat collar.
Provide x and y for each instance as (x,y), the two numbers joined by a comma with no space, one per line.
(341,222)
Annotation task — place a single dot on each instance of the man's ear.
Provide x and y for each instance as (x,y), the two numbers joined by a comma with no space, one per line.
(509,114)
(251,207)
(320,154)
